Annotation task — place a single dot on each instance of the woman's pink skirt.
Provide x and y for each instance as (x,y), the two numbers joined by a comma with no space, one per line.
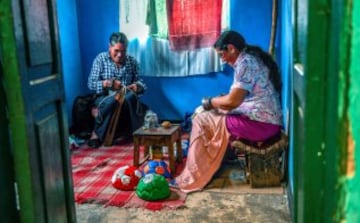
(209,139)
(208,144)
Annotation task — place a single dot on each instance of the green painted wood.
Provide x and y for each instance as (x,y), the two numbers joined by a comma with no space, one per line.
(352,200)
(299,103)
(7,190)
(298,146)
(335,138)
(314,120)
(17,123)
(317,126)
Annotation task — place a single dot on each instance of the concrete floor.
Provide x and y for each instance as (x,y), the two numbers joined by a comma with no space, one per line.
(226,199)
(206,206)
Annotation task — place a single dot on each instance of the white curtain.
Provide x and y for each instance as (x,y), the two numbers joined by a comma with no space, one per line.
(154,54)
(133,19)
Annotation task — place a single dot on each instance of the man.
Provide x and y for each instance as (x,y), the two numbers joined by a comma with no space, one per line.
(111,71)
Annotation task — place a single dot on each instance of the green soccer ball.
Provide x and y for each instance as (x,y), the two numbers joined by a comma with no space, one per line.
(153,187)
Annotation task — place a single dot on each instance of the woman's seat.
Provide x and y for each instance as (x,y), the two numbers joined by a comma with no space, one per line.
(265,161)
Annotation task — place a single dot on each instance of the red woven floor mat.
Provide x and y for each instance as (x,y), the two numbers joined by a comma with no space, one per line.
(92,172)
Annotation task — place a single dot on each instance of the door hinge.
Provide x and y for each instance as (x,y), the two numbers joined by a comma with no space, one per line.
(17,200)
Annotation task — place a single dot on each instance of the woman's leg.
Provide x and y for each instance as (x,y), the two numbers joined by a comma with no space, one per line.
(208,143)
(241,127)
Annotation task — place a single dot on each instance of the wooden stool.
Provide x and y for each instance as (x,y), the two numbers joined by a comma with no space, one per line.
(265,161)
(158,137)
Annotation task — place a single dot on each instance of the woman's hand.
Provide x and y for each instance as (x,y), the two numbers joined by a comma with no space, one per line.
(206,103)
(230,101)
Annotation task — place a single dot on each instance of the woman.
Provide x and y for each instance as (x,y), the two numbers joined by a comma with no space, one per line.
(251,110)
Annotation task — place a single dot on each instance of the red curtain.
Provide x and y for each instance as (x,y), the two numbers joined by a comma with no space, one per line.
(193,24)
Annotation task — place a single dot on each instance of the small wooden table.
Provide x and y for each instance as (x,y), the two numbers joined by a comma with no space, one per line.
(158,137)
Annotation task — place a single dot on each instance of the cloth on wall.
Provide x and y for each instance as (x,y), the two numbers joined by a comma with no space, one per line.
(156,19)
(158,60)
(154,54)
(193,24)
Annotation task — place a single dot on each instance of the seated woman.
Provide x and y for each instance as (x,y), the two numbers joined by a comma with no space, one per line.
(251,110)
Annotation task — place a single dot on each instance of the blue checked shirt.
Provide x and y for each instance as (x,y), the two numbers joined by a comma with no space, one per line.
(104,68)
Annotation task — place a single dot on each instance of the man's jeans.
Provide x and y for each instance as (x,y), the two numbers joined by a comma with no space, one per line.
(132,109)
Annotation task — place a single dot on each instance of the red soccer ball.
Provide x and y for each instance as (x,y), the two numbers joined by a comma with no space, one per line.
(126,178)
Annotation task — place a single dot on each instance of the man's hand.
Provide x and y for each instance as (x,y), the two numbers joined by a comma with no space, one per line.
(132,87)
(116,85)
(112,83)
(107,83)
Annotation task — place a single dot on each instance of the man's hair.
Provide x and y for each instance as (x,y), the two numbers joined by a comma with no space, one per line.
(118,37)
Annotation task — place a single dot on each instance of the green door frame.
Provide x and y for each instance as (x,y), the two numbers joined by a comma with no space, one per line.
(7,187)
(320,146)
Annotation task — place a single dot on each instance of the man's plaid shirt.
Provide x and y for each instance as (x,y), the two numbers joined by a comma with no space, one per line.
(104,68)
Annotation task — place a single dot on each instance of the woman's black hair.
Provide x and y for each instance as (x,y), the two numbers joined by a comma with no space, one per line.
(238,41)
(230,37)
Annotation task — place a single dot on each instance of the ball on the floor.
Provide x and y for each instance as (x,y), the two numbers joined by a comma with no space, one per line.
(126,178)
(153,187)
(157,166)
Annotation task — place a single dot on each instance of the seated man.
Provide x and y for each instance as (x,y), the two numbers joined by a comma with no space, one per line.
(111,71)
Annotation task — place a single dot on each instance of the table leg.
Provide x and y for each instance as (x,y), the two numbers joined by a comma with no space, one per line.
(171,157)
(146,151)
(136,152)
(146,155)
(179,151)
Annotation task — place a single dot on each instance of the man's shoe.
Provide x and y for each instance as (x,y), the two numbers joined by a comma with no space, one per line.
(122,140)
(94,143)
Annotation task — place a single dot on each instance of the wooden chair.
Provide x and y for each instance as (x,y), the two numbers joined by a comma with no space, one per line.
(265,161)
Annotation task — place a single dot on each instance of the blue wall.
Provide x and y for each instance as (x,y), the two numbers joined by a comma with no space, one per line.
(170,98)
(253,20)
(71,54)
(96,21)
(286,64)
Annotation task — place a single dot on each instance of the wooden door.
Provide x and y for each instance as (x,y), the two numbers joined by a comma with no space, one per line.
(34,95)
(317,129)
